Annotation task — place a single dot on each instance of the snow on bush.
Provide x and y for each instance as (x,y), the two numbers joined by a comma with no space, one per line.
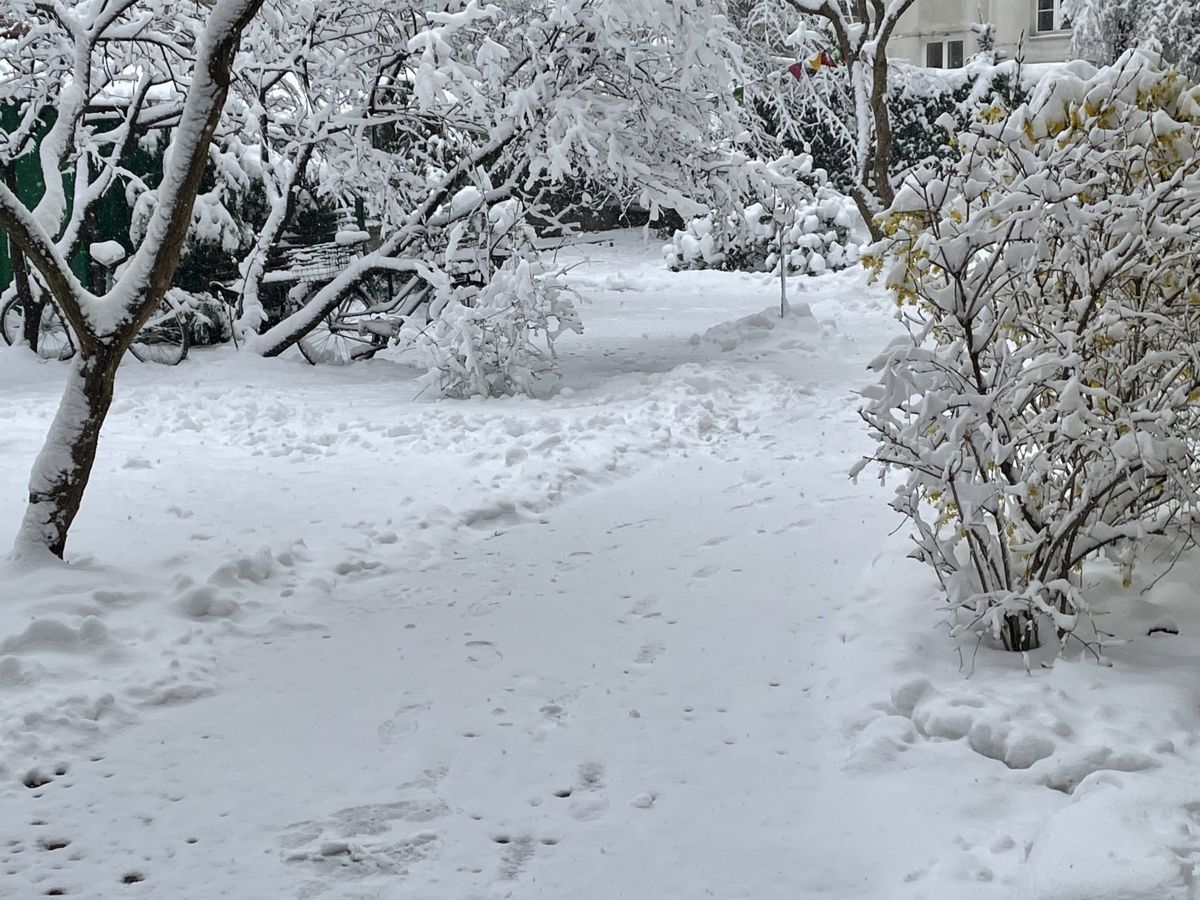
(1044,406)
(497,311)
(919,96)
(1104,29)
(821,227)
(500,341)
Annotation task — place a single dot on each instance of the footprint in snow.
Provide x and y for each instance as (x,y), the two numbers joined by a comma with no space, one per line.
(588,809)
(646,607)
(349,859)
(359,568)
(404,721)
(750,504)
(364,841)
(591,776)
(649,653)
(516,855)
(483,607)
(793,526)
(483,654)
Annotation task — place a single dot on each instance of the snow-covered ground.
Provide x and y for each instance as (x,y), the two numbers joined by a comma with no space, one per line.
(322,637)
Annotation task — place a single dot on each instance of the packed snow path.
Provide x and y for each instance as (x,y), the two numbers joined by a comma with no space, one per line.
(645,640)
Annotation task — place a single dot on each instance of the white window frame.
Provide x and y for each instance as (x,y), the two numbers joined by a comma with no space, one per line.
(945,45)
(1055,7)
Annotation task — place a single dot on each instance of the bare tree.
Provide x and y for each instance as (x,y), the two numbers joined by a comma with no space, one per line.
(504,99)
(862,30)
(79,57)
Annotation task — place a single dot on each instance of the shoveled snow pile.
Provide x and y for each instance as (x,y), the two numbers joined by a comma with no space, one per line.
(799,329)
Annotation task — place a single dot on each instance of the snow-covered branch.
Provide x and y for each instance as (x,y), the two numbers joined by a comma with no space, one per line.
(1045,408)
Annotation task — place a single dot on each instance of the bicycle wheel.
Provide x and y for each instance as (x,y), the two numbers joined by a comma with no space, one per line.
(164,339)
(53,337)
(12,322)
(342,337)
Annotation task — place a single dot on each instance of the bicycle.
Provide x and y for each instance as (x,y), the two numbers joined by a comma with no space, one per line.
(162,340)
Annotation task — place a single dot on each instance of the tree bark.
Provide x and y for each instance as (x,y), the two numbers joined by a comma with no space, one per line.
(1019,632)
(64,465)
(872,191)
(30,308)
(29,326)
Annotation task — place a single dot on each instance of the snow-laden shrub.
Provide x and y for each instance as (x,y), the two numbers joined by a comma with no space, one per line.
(918,97)
(494,312)
(1104,29)
(498,340)
(1045,407)
(820,228)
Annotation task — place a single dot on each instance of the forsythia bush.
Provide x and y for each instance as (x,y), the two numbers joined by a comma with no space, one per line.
(1045,407)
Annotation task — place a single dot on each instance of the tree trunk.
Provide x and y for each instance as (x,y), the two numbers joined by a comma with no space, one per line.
(33,316)
(883,132)
(1019,632)
(868,209)
(30,308)
(64,465)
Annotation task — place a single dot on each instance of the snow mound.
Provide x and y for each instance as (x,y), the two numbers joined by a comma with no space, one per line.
(1058,729)
(20,368)
(1123,838)
(207,601)
(107,253)
(54,635)
(351,237)
(799,329)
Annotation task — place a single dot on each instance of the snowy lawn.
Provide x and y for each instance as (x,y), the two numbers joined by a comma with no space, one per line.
(323,637)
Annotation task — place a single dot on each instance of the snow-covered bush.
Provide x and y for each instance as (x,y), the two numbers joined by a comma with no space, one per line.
(821,227)
(1045,406)
(496,312)
(499,340)
(1104,29)
(918,97)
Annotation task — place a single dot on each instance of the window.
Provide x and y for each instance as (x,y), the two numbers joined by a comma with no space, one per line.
(944,54)
(1050,16)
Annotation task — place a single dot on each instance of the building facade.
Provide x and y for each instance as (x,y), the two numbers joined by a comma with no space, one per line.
(939,33)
